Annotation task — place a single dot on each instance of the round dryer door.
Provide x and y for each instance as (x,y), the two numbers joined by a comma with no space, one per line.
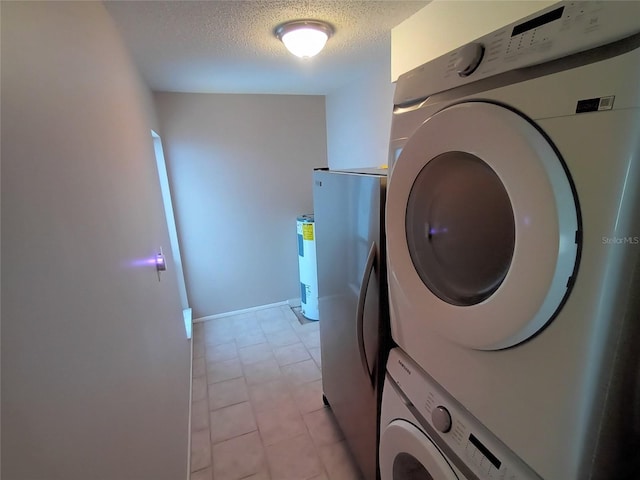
(482,229)
(406,453)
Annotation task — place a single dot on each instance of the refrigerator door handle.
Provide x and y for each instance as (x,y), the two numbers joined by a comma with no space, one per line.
(368,270)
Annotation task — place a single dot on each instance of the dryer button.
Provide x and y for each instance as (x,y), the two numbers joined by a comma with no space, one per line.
(469,58)
(441,419)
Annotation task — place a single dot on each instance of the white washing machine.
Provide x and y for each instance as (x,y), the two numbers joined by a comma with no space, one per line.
(513,234)
(425,434)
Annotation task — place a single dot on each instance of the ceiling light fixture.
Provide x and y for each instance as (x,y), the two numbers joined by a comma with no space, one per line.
(304,38)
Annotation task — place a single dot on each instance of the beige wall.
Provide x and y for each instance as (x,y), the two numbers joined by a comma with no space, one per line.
(95,364)
(240,169)
(444,25)
(359,117)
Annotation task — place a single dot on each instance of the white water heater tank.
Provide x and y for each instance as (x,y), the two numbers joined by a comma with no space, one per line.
(308,267)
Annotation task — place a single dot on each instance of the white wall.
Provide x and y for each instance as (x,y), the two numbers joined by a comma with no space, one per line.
(95,365)
(240,168)
(444,25)
(359,118)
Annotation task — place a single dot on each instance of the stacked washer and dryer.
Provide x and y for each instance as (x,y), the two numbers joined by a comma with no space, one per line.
(513,241)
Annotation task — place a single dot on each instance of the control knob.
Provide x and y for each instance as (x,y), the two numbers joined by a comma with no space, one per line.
(441,419)
(469,58)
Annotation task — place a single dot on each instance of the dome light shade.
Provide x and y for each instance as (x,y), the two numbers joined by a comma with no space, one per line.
(304,38)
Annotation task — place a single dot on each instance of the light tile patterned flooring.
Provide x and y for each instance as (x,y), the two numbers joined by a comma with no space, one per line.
(257,410)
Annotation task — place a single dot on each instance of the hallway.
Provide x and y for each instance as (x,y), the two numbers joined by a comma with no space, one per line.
(257,410)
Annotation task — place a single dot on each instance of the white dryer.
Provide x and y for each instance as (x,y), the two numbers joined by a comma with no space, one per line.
(425,434)
(513,234)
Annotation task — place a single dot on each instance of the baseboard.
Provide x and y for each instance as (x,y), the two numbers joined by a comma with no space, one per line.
(238,312)
(187,315)
(294,302)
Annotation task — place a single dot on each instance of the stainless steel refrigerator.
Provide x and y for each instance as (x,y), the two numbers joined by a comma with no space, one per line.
(353,307)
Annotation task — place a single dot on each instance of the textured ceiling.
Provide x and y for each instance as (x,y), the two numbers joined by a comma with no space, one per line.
(228,46)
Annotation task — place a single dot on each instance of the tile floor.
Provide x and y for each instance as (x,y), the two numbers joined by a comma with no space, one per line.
(257,409)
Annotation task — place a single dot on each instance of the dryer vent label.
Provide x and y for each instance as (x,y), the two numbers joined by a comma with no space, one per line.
(595,104)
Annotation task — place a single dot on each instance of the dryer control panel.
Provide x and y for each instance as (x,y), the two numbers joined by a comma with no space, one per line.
(466,442)
(558,31)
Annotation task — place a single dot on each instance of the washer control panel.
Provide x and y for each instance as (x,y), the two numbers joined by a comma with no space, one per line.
(562,29)
(453,428)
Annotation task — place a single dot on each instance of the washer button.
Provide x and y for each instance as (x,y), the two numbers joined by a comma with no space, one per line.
(441,419)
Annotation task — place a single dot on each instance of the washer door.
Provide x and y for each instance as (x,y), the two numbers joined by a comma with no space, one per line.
(481,229)
(408,454)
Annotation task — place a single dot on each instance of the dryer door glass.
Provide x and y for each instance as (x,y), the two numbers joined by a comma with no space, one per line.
(460,228)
